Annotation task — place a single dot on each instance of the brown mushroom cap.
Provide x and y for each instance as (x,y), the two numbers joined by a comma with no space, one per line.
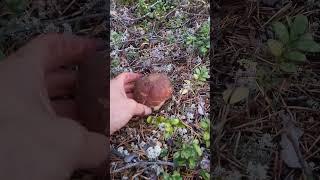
(153,90)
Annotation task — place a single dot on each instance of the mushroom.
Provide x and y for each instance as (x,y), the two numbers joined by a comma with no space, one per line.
(153,90)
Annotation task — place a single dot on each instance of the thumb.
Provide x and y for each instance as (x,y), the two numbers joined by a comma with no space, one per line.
(84,148)
(94,150)
(139,109)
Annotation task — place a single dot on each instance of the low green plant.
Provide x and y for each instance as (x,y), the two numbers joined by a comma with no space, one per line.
(143,7)
(204,174)
(200,40)
(201,74)
(188,155)
(205,125)
(293,41)
(168,124)
(126,2)
(171,39)
(176,22)
(116,38)
(154,9)
(174,176)
(115,62)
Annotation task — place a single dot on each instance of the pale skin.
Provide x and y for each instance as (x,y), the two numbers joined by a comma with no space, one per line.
(40,137)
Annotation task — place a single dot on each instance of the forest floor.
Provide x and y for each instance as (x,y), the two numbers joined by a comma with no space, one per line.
(170,37)
(264,94)
(268,128)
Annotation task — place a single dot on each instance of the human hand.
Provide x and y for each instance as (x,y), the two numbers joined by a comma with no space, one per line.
(122,106)
(39,140)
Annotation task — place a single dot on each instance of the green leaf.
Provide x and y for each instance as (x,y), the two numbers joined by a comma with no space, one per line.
(185,154)
(205,175)
(296,56)
(306,36)
(207,144)
(235,95)
(198,149)
(198,71)
(195,141)
(192,163)
(281,32)
(176,155)
(176,173)
(149,119)
(196,76)
(181,162)
(288,67)
(168,127)
(275,47)
(167,135)
(164,152)
(299,26)
(307,46)
(203,50)
(174,121)
(206,136)
(204,124)
(160,119)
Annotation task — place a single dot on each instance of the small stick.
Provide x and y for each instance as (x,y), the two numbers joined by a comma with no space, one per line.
(143,163)
(68,7)
(285,8)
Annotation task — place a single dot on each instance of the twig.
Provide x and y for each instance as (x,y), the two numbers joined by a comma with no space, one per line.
(143,163)
(90,16)
(20,29)
(68,7)
(285,8)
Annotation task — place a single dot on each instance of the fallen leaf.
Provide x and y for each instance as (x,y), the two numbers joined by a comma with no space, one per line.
(183,91)
(233,96)
(288,152)
(201,104)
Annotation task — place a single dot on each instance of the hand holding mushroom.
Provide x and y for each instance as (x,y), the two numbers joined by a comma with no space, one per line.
(122,106)
(131,94)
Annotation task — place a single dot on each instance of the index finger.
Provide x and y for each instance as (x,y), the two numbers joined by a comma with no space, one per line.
(55,50)
(128,77)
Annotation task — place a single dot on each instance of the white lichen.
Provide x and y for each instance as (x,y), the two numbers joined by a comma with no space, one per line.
(123,151)
(153,152)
